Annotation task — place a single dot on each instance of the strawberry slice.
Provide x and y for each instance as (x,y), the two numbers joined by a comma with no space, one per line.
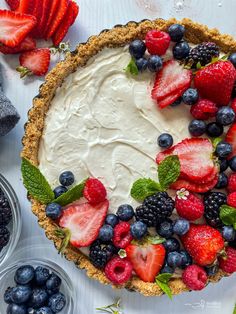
(42,26)
(146,260)
(194,187)
(83,221)
(37,12)
(67,21)
(168,100)
(231,138)
(13,4)
(15,27)
(27,44)
(53,11)
(26,6)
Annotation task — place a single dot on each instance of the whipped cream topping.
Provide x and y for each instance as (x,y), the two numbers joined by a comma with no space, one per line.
(103,123)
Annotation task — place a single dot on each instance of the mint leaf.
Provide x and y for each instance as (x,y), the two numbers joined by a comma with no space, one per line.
(162,281)
(35,183)
(71,195)
(228,215)
(132,67)
(168,171)
(143,188)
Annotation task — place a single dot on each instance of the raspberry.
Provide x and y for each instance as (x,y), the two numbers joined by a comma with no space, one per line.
(157,42)
(94,191)
(204,109)
(188,205)
(231,199)
(233,105)
(118,270)
(194,277)
(232,183)
(228,264)
(122,235)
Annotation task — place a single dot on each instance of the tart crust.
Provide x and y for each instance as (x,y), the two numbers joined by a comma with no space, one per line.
(118,36)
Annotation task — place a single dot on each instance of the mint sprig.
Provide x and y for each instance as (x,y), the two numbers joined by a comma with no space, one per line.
(71,195)
(143,188)
(112,308)
(162,280)
(132,67)
(228,215)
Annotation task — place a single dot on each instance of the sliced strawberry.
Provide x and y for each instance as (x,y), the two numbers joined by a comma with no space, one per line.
(13,4)
(231,138)
(210,177)
(146,260)
(34,62)
(168,100)
(53,11)
(15,27)
(83,221)
(37,12)
(26,6)
(194,187)
(65,24)
(42,26)
(26,45)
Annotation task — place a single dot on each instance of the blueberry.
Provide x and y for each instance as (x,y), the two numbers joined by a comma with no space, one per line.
(59,190)
(212,270)
(186,259)
(190,96)
(138,229)
(177,102)
(53,282)
(142,64)
(181,226)
(171,245)
(181,50)
(154,63)
(232,163)
(222,181)
(53,211)
(44,310)
(24,275)
(223,163)
(16,309)
(165,140)
(57,302)
(167,270)
(41,275)
(7,295)
(105,233)
(232,58)
(223,149)
(214,129)
(52,291)
(125,212)
(137,48)
(38,298)
(233,244)
(165,228)
(174,259)
(67,178)
(176,32)
(197,127)
(228,233)
(21,294)
(112,220)
(30,310)
(225,116)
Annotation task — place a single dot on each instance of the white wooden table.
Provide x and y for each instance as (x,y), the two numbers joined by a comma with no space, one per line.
(96,15)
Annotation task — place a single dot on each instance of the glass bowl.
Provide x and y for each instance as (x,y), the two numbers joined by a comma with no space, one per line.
(15,225)
(7,280)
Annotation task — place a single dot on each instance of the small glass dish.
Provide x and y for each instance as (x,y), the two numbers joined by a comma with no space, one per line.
(15,225)
(7,280)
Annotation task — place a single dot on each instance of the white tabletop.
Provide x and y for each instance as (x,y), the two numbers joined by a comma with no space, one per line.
(96,15)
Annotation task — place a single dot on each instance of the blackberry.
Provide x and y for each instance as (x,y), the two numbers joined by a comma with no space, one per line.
(203,53)
(155,209)
(100,253)
(5,210)
(212,202)
(4,237)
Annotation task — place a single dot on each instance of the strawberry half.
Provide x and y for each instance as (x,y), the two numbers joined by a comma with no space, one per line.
(83,221)
(15,27)
(231,139)
(147,260)
(26,45)
(170,83)
(194,186)
(13,4)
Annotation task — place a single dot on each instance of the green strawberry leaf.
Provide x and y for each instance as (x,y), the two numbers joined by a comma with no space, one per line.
(168,171)
(228,215)
(71,195)
(162,280)
(216,141)
(35,183)
(143,188)
(155,239)
(131,67)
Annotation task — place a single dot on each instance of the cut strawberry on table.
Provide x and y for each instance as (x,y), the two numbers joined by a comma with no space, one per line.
(34,62)
(13,4)
(231,139)
(15,27)
(147,260)
(26,45)
(83,222)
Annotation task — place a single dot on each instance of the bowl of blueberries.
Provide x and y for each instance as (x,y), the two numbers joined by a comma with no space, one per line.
(33,286)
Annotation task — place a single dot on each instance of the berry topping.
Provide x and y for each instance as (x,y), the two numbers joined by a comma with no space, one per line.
(228,233)
(42,274)
(231,139)
(232,183)
(194,277)
(142,64)
(171,245)
(186,259)
(165,228)
(194,187)
(213,202)
(232,163)
(122,235)
(26,45)
(59,190)
(197,128)
(125,212)
(67,178)
(57,302)
(176,32)
(214,129)
(181,226)
(94,191)
(232,58)
(100,254)
(225,116)
(138,229)
(112,220)
(233,105)
(165,140)
(212,270)
(167,270)
(5,210)
(223,163)
(228,264)
(223,149)
(204,109)
(147,260)
(231,199)
(118,270)
(154,63)
(53,211)
(222,181)
(21,294)
(203,53)
(181,50)
(190,96)
(106,233)
(137,48)
(24,275)
(157,42)
(174,259)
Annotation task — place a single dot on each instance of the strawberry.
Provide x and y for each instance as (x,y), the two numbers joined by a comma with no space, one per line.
(233,105)
(194,187)
(170,83)
(147,260)
(26,6)
(228,263)
(15,27)
(231,199)
(13,4)
(204,109)
(34,62)
(231,139)
(203,243)
(232,183)
(52,12)
(215,82)
(65,24)
(27,44)
(37,12)
(83,221)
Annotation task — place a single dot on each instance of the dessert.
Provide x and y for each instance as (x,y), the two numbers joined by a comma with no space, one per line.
(136,219)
